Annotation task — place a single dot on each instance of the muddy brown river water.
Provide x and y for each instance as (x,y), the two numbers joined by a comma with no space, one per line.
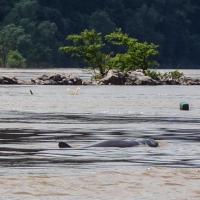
(32,166)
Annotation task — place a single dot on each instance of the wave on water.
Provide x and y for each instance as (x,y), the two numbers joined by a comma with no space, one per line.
(30,139)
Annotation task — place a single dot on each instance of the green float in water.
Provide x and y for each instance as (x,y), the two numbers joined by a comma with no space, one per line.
(184,106)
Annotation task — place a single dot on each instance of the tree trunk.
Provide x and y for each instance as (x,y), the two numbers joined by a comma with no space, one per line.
(101,70)
(4,58)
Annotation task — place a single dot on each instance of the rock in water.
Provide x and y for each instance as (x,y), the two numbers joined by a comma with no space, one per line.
(113,77)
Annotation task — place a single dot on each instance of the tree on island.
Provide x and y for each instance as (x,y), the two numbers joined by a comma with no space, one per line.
(138,55)
(88,45)
(91,47)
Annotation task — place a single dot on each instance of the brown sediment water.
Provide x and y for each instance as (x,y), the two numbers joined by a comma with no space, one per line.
(138,183)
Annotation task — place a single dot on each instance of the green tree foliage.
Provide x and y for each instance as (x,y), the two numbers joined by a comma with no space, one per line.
(11,38)
(101,22)
(174,74)
(87,45)
(173,24)
(43,45)
(156,75)
(15,59)
(138,55)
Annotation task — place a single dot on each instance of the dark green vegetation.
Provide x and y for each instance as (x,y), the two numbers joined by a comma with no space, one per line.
(136,54)
(156,75)
(31,31)
(130,55)
(88,46)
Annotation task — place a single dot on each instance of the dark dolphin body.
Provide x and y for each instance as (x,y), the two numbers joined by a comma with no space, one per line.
(117,143)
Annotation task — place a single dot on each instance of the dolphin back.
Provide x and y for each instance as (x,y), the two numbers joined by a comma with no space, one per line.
(64,145)
(117,143)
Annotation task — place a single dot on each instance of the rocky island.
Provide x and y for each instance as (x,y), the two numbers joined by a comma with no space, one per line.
(112,77)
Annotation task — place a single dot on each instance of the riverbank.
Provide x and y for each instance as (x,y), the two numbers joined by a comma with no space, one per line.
(84,77)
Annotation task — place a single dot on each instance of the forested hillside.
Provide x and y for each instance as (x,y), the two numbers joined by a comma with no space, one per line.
(33,30)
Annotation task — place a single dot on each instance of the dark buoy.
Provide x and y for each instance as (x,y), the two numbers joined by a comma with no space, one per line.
(184,106)
(31,92)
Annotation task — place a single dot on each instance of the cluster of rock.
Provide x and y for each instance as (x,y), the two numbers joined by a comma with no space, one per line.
(8,81)
(57,79)
(114,77)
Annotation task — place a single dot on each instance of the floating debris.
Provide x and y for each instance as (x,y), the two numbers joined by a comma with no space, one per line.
(31,92)
(74,91)
(184,106)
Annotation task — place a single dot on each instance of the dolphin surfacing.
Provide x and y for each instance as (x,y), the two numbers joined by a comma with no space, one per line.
(117,143)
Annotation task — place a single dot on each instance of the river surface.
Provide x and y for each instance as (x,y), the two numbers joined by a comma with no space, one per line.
(32,166)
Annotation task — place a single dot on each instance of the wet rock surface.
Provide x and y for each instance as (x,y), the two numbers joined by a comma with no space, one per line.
(9,81)
(113,77)
(57,79)
(137,77)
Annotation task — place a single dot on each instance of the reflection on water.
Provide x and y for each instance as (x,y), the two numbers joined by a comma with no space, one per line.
(32,166)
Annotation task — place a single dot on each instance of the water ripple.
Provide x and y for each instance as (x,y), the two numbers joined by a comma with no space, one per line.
(36,145)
